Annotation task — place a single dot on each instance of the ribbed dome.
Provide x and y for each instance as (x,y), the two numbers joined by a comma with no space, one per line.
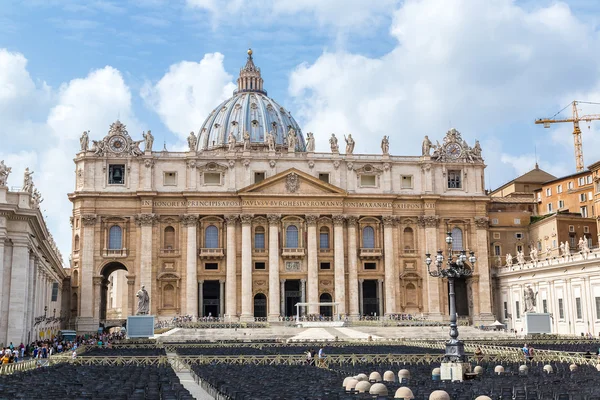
(250,109)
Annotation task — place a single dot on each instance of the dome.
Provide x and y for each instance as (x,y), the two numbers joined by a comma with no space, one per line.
(249,110)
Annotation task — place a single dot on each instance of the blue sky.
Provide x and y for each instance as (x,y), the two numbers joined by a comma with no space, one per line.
(370,68)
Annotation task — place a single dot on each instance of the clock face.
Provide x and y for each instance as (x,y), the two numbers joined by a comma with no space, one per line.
(117,144)
(453,150)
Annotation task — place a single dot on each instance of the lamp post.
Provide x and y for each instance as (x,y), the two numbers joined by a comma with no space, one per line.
(456,267)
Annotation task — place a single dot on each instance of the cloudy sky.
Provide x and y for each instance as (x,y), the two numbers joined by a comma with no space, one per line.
(370,68)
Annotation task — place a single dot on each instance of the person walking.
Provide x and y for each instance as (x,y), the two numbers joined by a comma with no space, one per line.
(321,357)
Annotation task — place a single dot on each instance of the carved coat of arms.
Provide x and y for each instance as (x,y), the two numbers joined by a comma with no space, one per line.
(292,182)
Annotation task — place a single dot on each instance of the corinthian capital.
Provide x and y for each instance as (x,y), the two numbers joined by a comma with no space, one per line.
(88,219)
(389,220)
(189,219)
(311,219)
(246,218)
(352,220)
(274,219)
(146,219)
(429,221)
(231,219)
(339,220)
(482,222)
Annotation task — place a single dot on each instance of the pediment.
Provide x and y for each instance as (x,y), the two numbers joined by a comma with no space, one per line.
(292,182)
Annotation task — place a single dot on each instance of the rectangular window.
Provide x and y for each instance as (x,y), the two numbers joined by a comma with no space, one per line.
(370,266)
(548,192)
(496,235)
(517,306)
(497,250)
(583,211)
(324,176)
(588,179)
(368,180)
(519,235)
(582,197)
(505,310)
(539,245)
(406,182)
(494,221)
(545,306)
(517,221)
(561,204)
(519,248)
(570,185)
(597,307)
(559,189)
(54,291)
(590,196)
(116,174)
(561,309)
(454,180)
(539,196)
(259,177)
(578,308)
(170,179)
(571,228)
(586,229)
(549,207)
(259,239)
(582,181)
(325,265)
(212,178)
(324,240)
(260,265)
(211,266)
(572,241)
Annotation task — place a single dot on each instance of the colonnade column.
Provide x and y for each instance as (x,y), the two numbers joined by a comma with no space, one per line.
(85,319)
(145,221)
(131,303)
(190,221)
(338,258)
(482,268)
(30,292)
(246,268)
(302,295)
(353,286)
(380,296)
(282,300)
(231,274)
(221,298)
(430,224)
(313,269)
(390,274)
(360,297)
(274,292)
(201,298)
(18,291)
(2,285)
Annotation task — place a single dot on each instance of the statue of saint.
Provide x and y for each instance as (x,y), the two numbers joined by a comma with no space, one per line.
(529,297)
(426,147)
(192,141)
(562,249)
(476,152)
(246,141)
(509,260)
(567,248)
(585,247)
(349,144)
(291,140)
(149,140)
(36,198)
(333,142)
(310,142)
(143,301)
(231,140)
(581,243)
(385,145)
(271,141)
(520,258)
(533,253)
(27,181)
(84,140)
(4,172)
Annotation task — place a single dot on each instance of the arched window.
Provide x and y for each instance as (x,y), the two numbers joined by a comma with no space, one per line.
(76,242)
(259,237)
(409,239)
(325,311)
(457,239)
(211,237)
(75,278)
(115,238)
(168,296)
(169,238)
(260,306)
(291,236)
(368,237)
(324,237)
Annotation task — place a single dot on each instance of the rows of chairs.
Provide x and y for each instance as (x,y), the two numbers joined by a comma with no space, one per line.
(274,350)
(67,381)
(124,352)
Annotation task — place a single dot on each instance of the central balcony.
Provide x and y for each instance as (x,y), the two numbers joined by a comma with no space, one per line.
(370,253)
(115,253)
(292,252)
(211,253)
(169,252)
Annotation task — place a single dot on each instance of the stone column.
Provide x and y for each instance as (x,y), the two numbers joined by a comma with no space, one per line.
(430,223)
(302,295)
(85,320)
(313,268)
(339,270)
(274,293)
(201,297)
(30,293)
(282,291)
(97,281)
(231,274)
(131,303)
(360,297)
(190,221)
(482,266)
(3,291)
(380,296)
(145,221)
(353,287)
(18,292)
(390,273)
(246,268)
(221,297)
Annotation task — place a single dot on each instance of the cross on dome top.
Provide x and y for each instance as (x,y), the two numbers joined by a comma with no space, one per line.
(250,79)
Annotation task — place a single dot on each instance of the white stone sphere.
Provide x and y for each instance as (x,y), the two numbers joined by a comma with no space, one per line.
(374,377)
(523,369)
(351,384)
(363,387)
(478,370)
(499,369)
(404,393)
(439,395)
(379,389)
(389,376)
(483,398)
(597,367)
(436,371)
(346,379)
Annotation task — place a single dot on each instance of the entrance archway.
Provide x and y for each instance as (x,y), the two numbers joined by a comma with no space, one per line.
(461,297)
(260,306)
(114,304)
(326,311)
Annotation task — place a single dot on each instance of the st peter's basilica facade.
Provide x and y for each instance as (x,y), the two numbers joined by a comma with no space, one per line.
(251,220)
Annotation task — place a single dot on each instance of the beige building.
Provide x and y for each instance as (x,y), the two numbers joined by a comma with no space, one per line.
(571,193)
(251,220)
(32,278)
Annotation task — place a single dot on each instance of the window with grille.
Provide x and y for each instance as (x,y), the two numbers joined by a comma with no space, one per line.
(497,250)
(454,180)
(259,237)
(169,238)
(586,229)
(561,204)
(211,237)
(115,238)
(582,197)
(324,238)
(368,237)
(291,236)
(572,241)
(578,308)
(457,239)
(54,291)
(561,309)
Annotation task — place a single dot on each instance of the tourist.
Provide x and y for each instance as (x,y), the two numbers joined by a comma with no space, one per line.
(530,352)
(525,350)
(321,357)
(478,354)
(309,357)
(5,358)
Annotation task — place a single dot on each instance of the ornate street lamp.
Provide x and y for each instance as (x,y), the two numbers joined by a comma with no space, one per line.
(456,267)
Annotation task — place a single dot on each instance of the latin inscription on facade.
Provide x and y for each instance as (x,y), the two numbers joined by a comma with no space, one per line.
(284,203)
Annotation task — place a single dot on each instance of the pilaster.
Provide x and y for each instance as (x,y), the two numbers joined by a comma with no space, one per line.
(247,314)
(190,221)
(483,271)
(18,292)
(429,224)
(231,275)
(274,292)
(85,320)
(145,222)
(390,274)
(339,270)
(354,290)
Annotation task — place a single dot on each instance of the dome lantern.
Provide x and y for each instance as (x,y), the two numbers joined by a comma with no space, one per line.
(250,79)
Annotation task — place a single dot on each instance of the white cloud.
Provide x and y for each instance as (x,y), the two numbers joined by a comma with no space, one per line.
(188,92)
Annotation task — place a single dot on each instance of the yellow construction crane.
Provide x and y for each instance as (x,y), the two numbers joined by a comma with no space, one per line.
(575,118)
